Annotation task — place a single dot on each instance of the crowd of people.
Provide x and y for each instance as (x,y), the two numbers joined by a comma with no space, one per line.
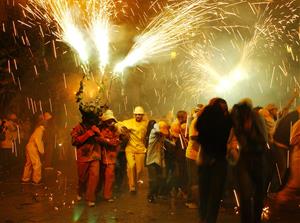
(187,156)
(191,154)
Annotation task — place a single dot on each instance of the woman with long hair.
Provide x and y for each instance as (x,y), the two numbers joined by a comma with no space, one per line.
(251,167)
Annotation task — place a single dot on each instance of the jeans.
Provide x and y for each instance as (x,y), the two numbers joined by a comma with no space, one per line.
(155,179)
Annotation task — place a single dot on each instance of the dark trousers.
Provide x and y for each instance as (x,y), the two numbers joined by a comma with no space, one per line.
(7,161)
(212,177)
(155,179)
(181,169)
(280,159)
(120,170)
(251,177)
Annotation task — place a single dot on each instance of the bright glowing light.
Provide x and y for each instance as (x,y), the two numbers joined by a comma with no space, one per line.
(224,85)
(227,83)
(119,68)
(238,74)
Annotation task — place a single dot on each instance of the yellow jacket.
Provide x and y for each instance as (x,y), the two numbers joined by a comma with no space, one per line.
(137,133)
(36,139)
(193,145)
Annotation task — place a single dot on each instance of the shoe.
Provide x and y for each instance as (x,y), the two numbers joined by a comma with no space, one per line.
(91,204)
(110,200)
(191,205)
(25,182)
(140,181)
(78,198)
(132,192)
(151,199)
(49,168)
(36,183)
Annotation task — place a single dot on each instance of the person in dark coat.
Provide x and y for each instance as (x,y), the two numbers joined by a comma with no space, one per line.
(251,168)
(282,147)
(214,126)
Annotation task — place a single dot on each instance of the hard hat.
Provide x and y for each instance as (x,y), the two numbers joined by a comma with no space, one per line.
(47,116)
(107,115)
(138,110)
(163,127)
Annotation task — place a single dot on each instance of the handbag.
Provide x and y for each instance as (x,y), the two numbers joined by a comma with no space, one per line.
(233,149)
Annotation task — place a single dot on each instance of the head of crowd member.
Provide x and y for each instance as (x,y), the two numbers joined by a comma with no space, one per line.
(241,116)
(108,118)
(89,118)
(182,116)
(198,110)
(219,104)
(163,128)
(139,113)
(44,119)
(257,108)
(12,117)
(273,110)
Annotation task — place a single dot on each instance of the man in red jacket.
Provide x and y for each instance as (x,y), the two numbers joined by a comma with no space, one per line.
(86,137)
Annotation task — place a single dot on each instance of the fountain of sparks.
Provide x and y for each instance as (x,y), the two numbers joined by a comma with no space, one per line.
(169,29)
(78,24)
(98,28)
(67,20)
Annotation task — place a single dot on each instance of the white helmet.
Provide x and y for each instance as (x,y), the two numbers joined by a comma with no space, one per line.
(138,110)
(107,115)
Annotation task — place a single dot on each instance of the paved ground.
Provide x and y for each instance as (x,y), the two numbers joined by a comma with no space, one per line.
(55,202)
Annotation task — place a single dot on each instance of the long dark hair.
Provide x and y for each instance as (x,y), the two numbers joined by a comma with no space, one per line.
(248,127)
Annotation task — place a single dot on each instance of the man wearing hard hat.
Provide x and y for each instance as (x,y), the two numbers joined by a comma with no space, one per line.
(135,149)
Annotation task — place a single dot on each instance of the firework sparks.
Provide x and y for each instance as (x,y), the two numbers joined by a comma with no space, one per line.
(168,30)
(99,28)
(63,13)
(269,30)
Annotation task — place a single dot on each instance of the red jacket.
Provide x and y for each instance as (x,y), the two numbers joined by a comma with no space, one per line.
(86,142)
(110,143)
